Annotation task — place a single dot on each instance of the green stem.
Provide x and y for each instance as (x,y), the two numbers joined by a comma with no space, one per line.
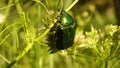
(4,59)
(8,9)
(106,64)
(42,5)
(19,7)
(27,48)
(45,33)
(30,43)
(71,5)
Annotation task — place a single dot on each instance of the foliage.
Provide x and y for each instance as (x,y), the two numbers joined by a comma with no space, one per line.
(25,24)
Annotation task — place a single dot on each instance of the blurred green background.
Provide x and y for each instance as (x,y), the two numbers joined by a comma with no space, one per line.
(96,43)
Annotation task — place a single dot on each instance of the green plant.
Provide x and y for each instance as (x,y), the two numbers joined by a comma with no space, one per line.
(25,26)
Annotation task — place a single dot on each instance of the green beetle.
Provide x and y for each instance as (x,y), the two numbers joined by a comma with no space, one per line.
(65,31)
(62,34)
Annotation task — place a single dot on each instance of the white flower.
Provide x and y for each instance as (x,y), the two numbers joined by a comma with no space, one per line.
(2,17)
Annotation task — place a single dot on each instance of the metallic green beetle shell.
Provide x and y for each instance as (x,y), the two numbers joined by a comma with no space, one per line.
(65,32)
(62,34)
(66,19)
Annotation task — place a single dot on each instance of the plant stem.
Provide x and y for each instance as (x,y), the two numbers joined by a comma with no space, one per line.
(71,5)
(27,48)
(106,64)
(45,33)
(4,59)
(8,9)
(19,7)
(30,43)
